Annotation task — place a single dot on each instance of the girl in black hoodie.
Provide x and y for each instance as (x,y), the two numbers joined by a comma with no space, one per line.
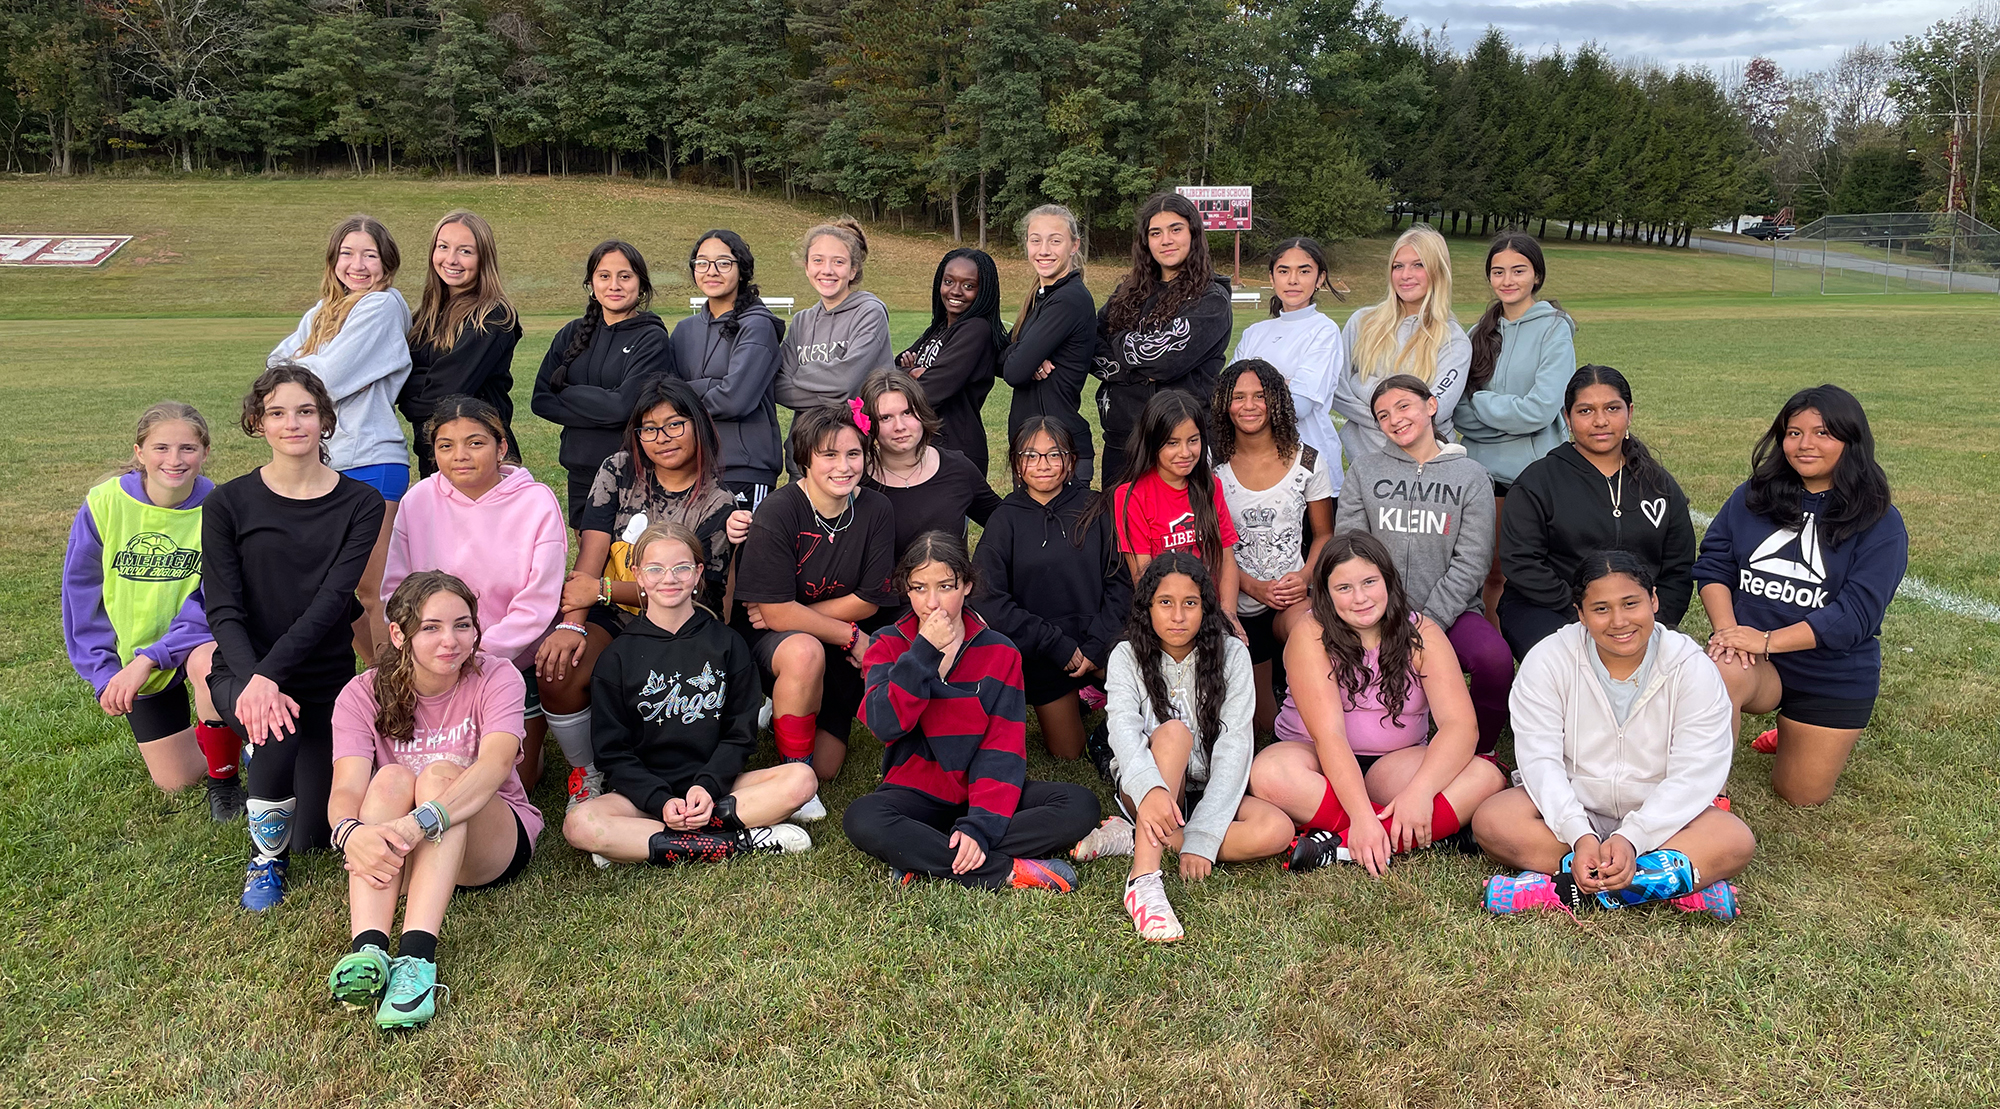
(728,350)
(1053,582)
(1600,491)
(955,357)
(1055,335)
(463,337)
(596,365)
(1165,328)
(674,718)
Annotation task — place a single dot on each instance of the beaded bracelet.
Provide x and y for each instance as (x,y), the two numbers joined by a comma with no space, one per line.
(579,629)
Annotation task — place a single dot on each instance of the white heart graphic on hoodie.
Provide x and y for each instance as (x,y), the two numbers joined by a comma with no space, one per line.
(1655,510)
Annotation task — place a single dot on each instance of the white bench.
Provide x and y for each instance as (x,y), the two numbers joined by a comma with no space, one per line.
(777,303)
(1245,297)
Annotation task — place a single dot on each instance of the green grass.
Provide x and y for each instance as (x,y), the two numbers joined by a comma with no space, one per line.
(1862,973)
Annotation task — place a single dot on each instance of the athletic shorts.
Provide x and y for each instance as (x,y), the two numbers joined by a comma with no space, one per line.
(1825,712)
(524,850)
(748,494)
(840,692)
(1046,683)
(1263,636)
(531,705)
(391,479)
(159,715)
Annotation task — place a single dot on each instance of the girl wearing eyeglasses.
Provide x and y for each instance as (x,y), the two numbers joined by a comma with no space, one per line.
(728,351)
(668,472)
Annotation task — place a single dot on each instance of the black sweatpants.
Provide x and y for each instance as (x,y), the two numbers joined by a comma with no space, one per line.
(1524,623)
(911,830)
(300,765)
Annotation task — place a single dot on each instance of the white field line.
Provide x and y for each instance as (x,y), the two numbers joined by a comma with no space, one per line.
(1915,588)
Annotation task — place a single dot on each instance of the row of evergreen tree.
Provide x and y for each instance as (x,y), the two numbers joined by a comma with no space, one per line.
(951,113)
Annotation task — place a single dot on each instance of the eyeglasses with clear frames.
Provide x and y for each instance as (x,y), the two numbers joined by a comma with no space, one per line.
(679,571)
(672,429)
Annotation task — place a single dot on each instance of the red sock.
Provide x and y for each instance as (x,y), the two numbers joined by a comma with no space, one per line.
(1330,817)
(1444,818)
(795,736)
(220,747)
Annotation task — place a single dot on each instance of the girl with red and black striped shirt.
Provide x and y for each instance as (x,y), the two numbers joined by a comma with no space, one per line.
(944,697)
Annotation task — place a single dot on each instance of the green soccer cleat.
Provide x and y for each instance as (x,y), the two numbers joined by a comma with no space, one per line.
(411,999)
(359,976)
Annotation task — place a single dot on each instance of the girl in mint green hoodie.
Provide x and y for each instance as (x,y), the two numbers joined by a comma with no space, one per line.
(1523,353)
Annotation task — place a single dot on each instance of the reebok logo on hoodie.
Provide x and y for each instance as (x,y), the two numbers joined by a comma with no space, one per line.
(1791,553)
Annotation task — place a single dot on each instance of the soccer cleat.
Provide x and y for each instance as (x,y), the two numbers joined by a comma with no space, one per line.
(599,861)
(1092,697)
(1043,874)
(263,884)
(225,800)
(723,817)
(1113,837)
(1315,849)
(584,784)
(902,879)
(1097,745)
(410,1000)
(1152,914)
(667,848)
(1718,901)
(778,839)
(813,809)
(359,977)
(1766,743)
(1530,890)
(764,716)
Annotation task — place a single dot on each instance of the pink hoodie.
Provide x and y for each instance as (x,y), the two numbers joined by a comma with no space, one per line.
(511,546)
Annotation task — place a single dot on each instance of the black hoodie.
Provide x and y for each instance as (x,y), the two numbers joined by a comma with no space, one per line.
(480,364)
(731,361)
(674,710)
(1183,353)
(957,364)
(1048,594)
(1061,328)
(1560,509)
(599,388)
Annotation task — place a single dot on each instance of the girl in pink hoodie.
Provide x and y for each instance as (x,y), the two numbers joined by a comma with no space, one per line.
(493,526)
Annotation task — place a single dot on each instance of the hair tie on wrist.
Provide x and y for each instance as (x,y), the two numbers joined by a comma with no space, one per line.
(854,406)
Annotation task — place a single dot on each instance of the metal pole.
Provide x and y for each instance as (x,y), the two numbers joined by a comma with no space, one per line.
(1822,265)
(1951,257)
(1236,274)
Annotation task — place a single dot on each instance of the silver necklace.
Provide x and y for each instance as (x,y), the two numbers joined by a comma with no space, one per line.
(1618,495)
(834,529)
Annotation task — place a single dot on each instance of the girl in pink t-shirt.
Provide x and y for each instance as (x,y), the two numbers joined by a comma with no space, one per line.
(426,799)
(1168,498)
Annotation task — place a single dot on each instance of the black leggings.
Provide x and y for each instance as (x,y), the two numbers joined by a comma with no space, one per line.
(299,765)
(911,830)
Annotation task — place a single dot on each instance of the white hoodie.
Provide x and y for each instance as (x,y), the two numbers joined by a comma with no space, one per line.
(363,368)
(1645,779)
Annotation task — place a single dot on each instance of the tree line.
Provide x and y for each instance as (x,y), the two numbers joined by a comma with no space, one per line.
(956,114)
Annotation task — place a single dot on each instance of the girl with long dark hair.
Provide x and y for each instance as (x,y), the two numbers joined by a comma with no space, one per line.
(596,365)
(1411,331)
(945,698)
(1168,499)
(929,486)
(463,337)
(1370,678)
(728,351)
(1280,497)
(283,549)
(1165,327)
(1523,350)
(1052,581)
(1179,704)
(1621,727)
(954,358)
(1796,572)
(1303,344)
(1055,336)
(424,744)
(669,470)
(1601,489)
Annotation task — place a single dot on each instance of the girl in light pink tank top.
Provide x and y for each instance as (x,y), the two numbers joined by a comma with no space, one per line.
(1370,730)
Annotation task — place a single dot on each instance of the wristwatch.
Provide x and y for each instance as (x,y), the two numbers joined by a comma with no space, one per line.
(428,821)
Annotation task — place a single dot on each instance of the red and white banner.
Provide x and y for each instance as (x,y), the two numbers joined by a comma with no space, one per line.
(1222,207)
(59,250)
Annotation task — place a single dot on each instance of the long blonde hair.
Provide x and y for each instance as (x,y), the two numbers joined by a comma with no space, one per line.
(443,316)
(1048,211)
(1376,354)
(336,300)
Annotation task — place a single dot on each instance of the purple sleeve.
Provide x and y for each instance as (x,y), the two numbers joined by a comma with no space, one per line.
(188,631)
(87,632)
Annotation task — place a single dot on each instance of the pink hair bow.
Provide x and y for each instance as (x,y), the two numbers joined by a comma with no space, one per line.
(860,417)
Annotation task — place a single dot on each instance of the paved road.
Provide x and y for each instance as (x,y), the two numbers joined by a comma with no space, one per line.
(1811,256)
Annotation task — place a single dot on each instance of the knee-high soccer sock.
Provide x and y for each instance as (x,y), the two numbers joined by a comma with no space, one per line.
(1333,818)
(572,732)
(271,829)
(1660,875)
(795,736)
(221,747)
(1444,818)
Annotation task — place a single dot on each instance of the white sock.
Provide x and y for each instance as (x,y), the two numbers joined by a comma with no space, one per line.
(572,732)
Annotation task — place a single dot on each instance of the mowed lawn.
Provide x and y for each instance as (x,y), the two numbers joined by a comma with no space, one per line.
(1862,973)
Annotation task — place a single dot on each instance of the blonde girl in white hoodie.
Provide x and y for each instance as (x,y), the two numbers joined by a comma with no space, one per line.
(1622,729)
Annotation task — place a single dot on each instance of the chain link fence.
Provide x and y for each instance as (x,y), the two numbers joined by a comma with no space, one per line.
(1887,252)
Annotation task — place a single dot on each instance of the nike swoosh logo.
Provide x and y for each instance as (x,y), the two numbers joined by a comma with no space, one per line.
(627,350)
(415,1003)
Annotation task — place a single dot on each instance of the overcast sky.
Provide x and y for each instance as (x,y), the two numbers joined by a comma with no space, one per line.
(1799,35)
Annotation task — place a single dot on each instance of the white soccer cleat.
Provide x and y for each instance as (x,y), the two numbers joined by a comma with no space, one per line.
(813,809)
(1152,914)
(778,839)
(1113,837)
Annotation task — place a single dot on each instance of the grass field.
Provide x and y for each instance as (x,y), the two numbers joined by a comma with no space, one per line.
(1864,972)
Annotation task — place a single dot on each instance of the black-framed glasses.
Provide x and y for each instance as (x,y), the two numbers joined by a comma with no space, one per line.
(714,265)
(1030,458)
(672,429)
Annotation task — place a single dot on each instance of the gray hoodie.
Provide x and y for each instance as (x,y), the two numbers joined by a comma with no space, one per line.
(826,354)
(1435,517)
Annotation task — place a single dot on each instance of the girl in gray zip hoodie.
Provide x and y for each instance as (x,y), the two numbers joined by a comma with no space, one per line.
(1431,506)
(842,339)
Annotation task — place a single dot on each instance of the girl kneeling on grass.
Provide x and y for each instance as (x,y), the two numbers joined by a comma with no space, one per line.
(132,607)
(424,743)
(1179,699)
(674,717)
(945,698)
(1622,729)
(1359,739)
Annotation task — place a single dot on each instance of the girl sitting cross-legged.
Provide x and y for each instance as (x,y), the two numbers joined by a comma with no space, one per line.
(674,704)
(945,698)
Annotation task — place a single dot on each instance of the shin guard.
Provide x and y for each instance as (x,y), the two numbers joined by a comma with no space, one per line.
(220,747)
(1659,875)
(795,736)
(271,828)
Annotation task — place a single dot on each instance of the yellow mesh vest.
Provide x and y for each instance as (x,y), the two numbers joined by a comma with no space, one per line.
(152,564)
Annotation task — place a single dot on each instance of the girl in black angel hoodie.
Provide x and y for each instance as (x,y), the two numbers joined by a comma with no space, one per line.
(1166,327)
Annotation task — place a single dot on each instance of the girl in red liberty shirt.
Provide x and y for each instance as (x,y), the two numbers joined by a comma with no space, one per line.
(1169,500)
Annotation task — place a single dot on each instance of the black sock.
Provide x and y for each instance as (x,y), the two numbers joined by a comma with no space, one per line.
(421,945)
(372,935)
